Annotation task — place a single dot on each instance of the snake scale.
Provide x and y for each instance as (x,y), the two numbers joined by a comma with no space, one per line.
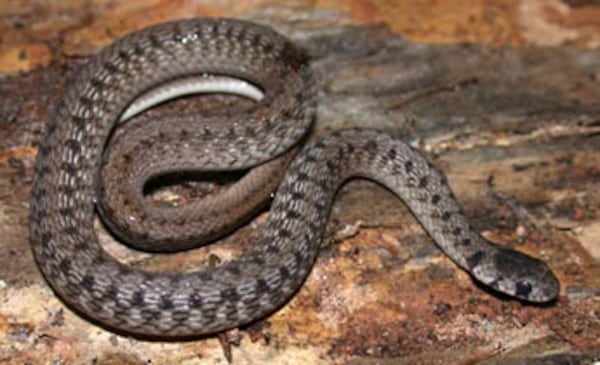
(66,186)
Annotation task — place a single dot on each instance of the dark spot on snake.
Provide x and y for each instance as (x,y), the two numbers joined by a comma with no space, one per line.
(276,295)
(65,266)
(110,67)
(284,233)
(296,195)
(73,145)
(261,286)
(123,55)
(45,238)
(444,182)
(319,207)
(336,133)
(350,147)
(475,259)
(435,199)
(183,133)
(65,212)
(371,146)
(286,114)
(137,299)
(408,166)
(292,214)
(146,143)
(302,176)
(66,189)
(80,245)
(123,270)
(466,242)
(44,150)
(99,260)
(257,260)
(179,31)
(195,300)
(231,294)
(392,154)
(250,131)
(175,280)
(88,282)
(38,192)
(44,170)
(319,145)
(165,303)
(330,165)
(70,230)
(154,41)
(231,133)
(177,36)
(69,168)
(423,182)
(446,216)
(284,273)
(138,49)
(161,136)
(456,231)
(112,292)
(78,121)
(85,101)
(310,158)
(324,184)
(97,84)
(267,46)
(273,249)
(523,288)
(196,34)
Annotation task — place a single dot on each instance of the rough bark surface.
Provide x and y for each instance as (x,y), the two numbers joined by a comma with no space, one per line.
(517,130)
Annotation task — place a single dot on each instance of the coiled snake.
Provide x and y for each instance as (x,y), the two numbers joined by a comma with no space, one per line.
(66,185)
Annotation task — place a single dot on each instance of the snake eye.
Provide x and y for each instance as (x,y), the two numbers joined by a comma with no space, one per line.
(523,288)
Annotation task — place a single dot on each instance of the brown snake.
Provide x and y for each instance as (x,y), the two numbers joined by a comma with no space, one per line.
(66,184)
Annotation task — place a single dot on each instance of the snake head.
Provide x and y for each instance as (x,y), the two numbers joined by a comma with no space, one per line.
(518,275)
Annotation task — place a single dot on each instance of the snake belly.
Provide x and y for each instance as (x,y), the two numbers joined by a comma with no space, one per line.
(210,300)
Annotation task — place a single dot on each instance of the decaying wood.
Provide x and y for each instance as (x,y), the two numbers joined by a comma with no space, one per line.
(520,124)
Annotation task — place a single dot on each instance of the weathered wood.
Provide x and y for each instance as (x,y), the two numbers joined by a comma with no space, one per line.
(519,124)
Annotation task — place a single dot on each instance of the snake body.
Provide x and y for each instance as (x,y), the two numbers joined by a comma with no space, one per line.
(144,225)
(66,185)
